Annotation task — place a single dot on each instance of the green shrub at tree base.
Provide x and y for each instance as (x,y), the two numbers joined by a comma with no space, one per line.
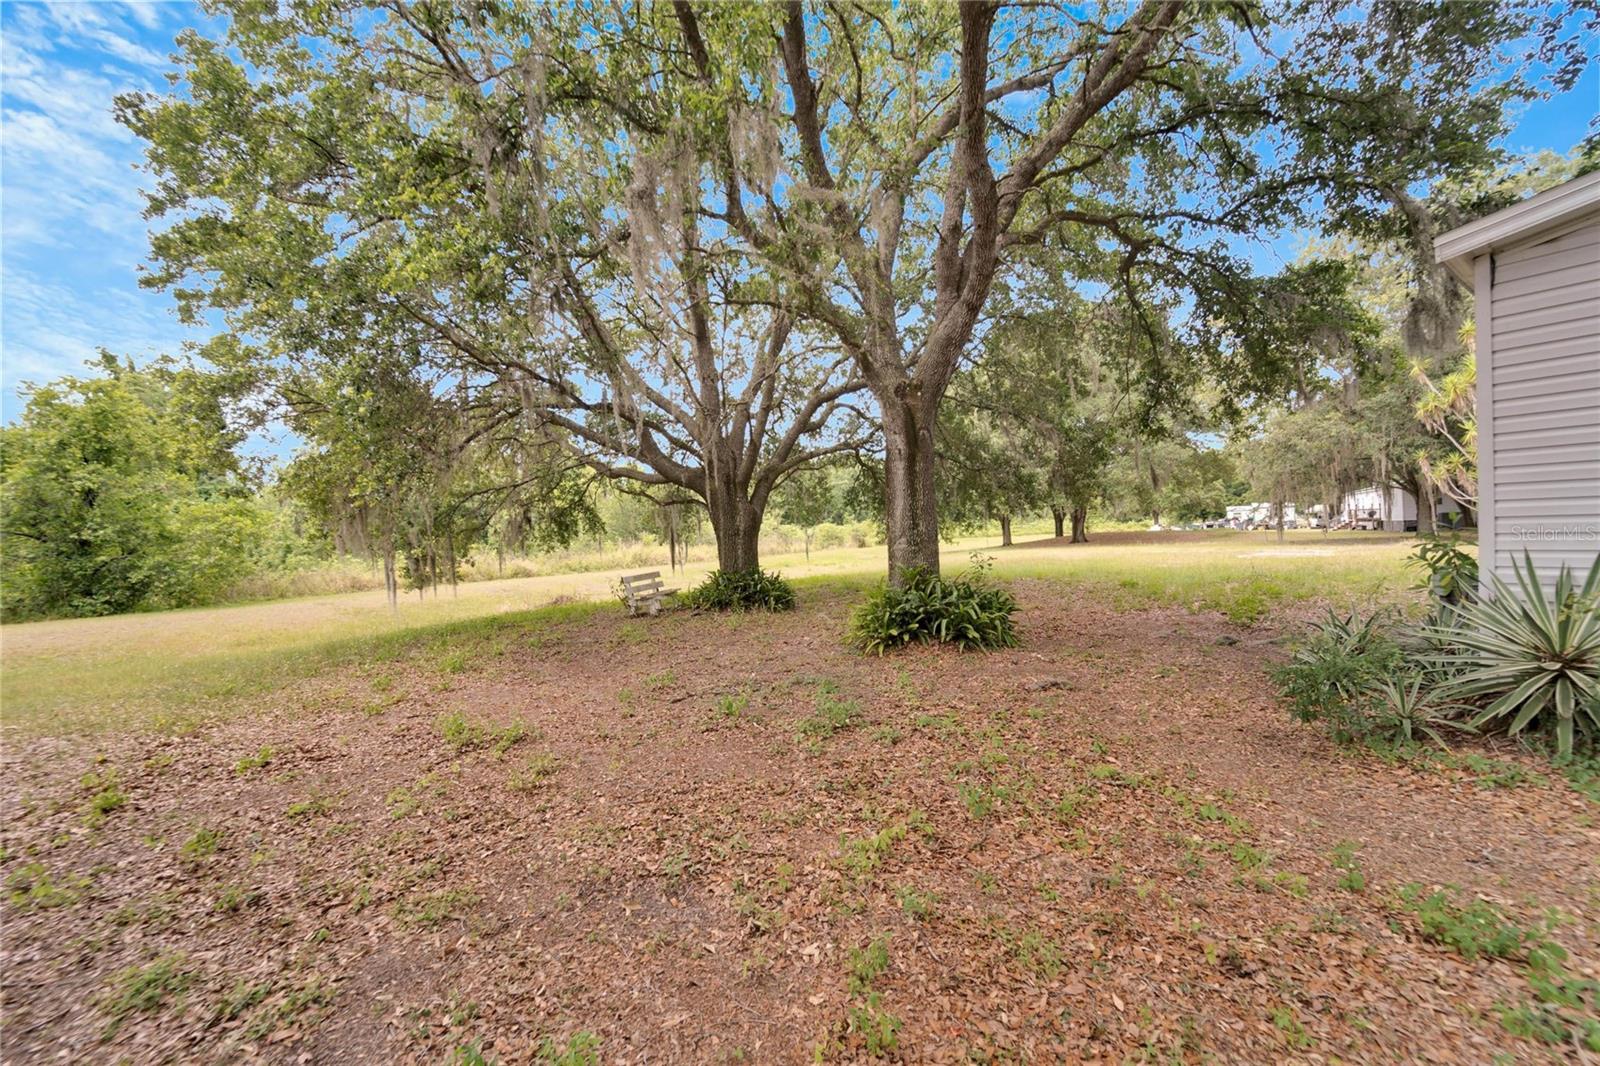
(967,611)
(744,590)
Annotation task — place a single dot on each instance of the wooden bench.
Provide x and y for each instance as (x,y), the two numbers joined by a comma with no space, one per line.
(643,592)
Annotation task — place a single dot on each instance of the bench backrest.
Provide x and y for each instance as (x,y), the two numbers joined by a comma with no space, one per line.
(642,586)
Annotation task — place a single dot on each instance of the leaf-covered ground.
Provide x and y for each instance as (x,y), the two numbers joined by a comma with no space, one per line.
(703,839)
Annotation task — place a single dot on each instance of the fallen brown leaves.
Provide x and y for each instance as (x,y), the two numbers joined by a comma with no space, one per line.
(1109,844)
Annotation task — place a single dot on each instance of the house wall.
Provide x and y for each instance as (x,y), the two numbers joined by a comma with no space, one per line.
(1539,401)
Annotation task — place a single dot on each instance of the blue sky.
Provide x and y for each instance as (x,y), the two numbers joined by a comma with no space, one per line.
(72,234)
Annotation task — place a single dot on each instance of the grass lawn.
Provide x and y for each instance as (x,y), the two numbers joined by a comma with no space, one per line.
(487,831)
(176,667)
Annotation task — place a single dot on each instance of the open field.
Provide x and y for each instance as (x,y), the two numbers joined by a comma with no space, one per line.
(171,668)
(706,838)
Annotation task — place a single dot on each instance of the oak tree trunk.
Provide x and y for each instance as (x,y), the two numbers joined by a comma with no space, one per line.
(1080,525)
(911,516)
(1005,531)
(736,522)
(1061,520)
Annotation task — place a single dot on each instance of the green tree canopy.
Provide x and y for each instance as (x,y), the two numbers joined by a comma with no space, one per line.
(123,491)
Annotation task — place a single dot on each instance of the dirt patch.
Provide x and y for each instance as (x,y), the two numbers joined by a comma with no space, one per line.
(703,838)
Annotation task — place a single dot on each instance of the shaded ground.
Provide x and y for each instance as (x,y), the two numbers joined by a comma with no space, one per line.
(685,837)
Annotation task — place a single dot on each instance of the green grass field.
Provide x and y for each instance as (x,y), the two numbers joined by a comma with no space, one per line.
(171,669)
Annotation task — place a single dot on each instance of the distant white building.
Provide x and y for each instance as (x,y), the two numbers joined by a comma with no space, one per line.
(1375,507)
(1257,516)
(1386,508)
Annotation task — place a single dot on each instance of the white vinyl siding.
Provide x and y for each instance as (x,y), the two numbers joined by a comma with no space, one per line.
(1539,402)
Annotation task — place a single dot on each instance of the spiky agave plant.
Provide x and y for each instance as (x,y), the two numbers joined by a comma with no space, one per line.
(1534,656)
(1410,710)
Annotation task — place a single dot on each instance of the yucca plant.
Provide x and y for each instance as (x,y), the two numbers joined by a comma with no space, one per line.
(1410,708)
(1342,658)
(1533,656)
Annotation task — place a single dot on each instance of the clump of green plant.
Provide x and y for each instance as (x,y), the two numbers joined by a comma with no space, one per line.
(1351,877)
(914,904)
(460,732)
(535,773)
(1341,660)
(741,590)
(1531,657)
(968,611)
(254,762)
(1582,773)
(240,998)
(107,796)
(759,919)
(1450,574)
(1036,953)
(1407,709)
(143,989)
(237,898)
(1472,929)
(832,714)
(580,1049)
(435,908)
(202,844)
(1294,1033)
(309,807)
(731,706)
(877,1029)
(463,734)
(32,887)
(297,1001)
(862,856)
(1563,1009)
(1355,677)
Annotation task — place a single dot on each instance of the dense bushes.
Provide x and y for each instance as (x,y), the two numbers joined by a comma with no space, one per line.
(122,493)
(746,590)
(1523,661)
(967,611)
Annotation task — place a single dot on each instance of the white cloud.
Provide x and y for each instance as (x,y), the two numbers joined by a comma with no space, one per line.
(146,13)
(71,226)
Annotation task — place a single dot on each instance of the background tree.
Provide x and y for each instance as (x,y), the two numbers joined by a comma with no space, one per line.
(505,241)
(988,468)
(1424,312)
(123,491)
(1309,456)
(808,499)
